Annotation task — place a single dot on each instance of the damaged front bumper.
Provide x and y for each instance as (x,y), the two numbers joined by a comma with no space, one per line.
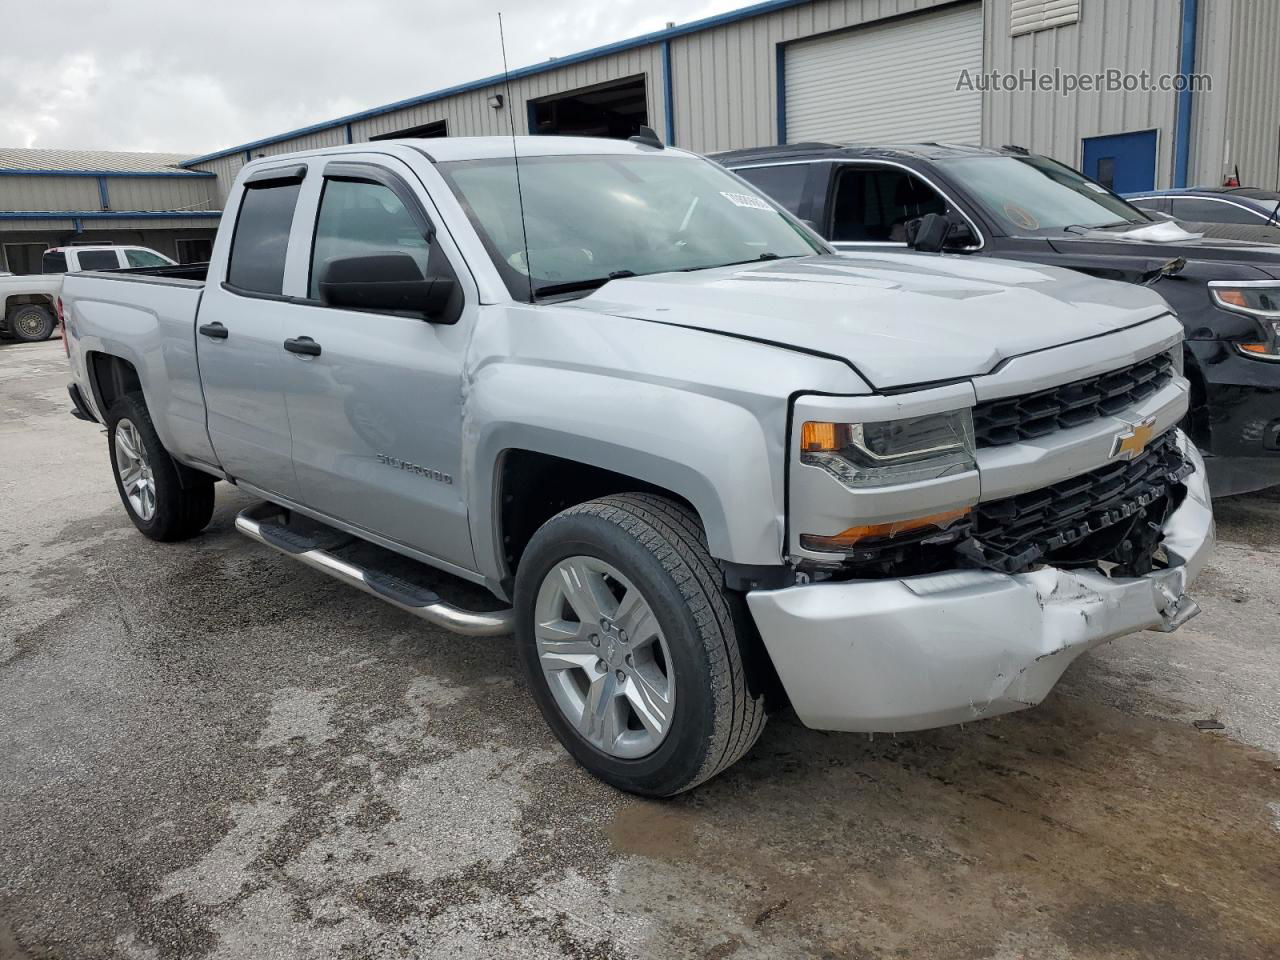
(934,650)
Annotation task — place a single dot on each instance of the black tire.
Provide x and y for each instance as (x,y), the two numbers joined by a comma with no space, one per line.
(183,501)
(30,322)
(660,546)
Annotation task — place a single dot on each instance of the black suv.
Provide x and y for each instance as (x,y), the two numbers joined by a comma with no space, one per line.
(1014,204)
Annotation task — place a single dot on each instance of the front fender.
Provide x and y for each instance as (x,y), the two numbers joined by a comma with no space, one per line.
(725,457)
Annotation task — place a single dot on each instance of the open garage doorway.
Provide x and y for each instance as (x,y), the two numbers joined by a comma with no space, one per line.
(616,109)
(424,131)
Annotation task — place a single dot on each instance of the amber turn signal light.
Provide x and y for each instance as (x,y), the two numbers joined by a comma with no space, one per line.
(816,436)
(883,531)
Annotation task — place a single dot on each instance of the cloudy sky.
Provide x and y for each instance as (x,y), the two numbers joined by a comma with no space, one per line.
(117,75)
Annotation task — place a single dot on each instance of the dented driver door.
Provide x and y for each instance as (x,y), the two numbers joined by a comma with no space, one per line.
(375,396)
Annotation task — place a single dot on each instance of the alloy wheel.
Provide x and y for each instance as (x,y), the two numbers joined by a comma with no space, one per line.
(135,470)
(604,657)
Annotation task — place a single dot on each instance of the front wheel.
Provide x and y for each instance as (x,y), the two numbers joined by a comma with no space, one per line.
(162,504)
(629,647)
(30,322)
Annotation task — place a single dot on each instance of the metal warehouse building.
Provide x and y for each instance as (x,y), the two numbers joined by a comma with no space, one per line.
(54,198)
(888,70)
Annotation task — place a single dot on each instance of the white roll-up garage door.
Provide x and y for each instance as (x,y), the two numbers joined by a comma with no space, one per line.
(890,83)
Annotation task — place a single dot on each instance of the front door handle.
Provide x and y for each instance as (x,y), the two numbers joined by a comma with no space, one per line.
(303,345)
(215,331)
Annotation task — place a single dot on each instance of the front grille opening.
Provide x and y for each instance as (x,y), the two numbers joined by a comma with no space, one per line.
(1012,419)
(1111,515)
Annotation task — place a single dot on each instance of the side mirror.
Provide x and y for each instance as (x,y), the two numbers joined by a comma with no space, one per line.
(386,281)
(935,232)
(928,234)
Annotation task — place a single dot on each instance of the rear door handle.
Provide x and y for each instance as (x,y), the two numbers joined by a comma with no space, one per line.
(213,330)
(303,345)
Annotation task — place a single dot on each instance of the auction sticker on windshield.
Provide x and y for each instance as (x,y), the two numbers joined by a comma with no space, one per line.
(746,200)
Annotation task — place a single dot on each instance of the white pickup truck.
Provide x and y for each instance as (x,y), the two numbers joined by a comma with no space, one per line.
(703,464)
(28,303)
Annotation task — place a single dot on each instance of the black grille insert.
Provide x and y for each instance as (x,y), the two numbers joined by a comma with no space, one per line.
(1016,532)
(1011,419)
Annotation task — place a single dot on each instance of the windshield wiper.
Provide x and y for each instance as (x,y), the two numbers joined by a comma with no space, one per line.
(737,263)
(1101,226)
(574,286)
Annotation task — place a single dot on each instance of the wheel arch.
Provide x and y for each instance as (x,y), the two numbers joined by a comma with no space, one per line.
(22,299)
(532,486)
(741,520)
(110,378)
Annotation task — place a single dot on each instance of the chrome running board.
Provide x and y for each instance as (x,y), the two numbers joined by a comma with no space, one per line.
(263,522)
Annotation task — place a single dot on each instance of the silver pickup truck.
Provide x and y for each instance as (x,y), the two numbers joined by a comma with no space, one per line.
(704,465)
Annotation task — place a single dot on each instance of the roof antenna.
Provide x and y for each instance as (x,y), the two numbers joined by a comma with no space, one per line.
(515,155)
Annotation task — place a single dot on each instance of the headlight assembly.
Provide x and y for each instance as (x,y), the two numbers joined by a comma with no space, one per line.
(891,451)
(1259,300)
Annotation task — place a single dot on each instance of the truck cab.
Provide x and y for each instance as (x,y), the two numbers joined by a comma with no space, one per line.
(702,464)
(100,257)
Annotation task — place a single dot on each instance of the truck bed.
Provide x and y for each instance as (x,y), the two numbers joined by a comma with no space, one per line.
(145,316)
(179,271)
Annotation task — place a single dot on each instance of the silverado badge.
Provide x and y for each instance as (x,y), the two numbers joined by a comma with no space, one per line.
(1130,443)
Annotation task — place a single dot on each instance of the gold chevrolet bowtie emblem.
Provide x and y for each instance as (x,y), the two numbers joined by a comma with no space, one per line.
(1130,443)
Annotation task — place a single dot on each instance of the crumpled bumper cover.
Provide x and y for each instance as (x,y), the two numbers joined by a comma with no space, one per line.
(929,651)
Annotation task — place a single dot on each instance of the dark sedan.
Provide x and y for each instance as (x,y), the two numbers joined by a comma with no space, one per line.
(1235,213)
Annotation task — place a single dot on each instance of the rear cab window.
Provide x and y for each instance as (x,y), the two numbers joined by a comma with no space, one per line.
(54,261)
(144,258)
(98,259)
(260,243)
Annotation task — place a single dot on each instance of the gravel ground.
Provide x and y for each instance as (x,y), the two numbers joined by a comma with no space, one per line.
(208,751)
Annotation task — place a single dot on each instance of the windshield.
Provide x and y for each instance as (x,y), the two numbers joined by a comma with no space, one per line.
(1034,196)
(593,218)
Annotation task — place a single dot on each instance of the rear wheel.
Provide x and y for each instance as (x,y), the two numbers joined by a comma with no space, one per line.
(629,647)
(162,503)
(30,322)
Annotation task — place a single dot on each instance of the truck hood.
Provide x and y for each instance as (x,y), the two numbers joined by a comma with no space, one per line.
(1102,244)
(896,319)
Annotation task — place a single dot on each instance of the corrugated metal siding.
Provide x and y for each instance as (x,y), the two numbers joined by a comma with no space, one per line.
(1209,117)
(142,223)
(891,82)
(49,193)
(225,169)
(64,225)
(1129,36)
(1253,93)
(726,78)
(28,226)
(313,141)
(469,114)
(162,193)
